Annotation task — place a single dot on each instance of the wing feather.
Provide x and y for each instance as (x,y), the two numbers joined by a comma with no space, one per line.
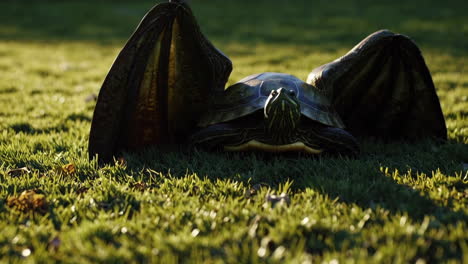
(383,88)
(159,84)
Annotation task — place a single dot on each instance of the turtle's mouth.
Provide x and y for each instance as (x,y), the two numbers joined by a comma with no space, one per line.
(282,113)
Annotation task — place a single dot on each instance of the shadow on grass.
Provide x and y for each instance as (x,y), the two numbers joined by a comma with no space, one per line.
(30,130)
(320,24)
(351,181)
(360,181)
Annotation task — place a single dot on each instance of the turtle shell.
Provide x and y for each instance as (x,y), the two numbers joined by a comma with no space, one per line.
(250,94)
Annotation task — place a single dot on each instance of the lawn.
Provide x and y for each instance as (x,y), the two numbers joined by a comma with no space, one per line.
(396,203)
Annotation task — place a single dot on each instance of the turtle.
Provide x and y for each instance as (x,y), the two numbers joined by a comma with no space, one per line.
(167,87)
(274,112)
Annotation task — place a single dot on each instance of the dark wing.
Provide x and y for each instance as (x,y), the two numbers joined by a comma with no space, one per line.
(158,85)
(382,88)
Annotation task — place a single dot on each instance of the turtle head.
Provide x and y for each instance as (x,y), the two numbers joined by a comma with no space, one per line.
(282,114)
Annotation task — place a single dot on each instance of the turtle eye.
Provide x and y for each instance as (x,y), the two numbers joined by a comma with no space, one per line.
(292,93)
(274,93)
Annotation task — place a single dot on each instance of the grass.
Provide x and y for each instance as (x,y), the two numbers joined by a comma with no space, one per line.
(397,202)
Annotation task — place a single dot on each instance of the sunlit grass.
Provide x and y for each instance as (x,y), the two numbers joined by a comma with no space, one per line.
(397,202)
